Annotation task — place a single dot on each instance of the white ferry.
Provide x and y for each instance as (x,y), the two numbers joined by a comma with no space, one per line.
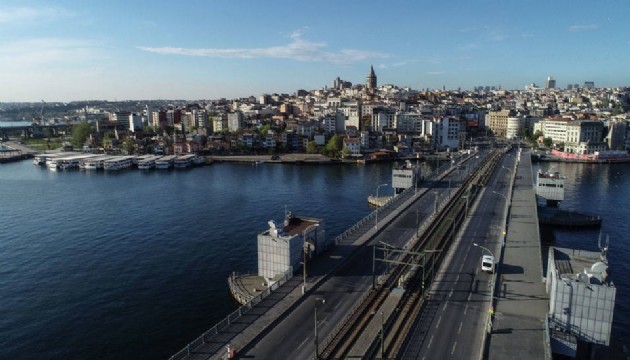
(148,163)
(96,163)
(199,160)
(184,161)
(165,162)
(118,163)
(42,159)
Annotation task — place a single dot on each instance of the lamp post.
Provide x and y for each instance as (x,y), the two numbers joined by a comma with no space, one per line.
(485,248)
(316,339)
(377,209)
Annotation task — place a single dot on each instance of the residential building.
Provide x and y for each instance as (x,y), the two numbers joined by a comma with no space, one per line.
(585,137)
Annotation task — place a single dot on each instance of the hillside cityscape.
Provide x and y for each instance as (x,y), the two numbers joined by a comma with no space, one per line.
(361,120)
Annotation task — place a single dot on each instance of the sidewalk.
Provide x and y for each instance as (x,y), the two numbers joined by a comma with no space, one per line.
(518,328)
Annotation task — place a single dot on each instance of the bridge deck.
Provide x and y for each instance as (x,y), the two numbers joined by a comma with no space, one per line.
(518,330)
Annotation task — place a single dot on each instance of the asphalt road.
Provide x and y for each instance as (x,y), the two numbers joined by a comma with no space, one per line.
(453,321)
(294,336)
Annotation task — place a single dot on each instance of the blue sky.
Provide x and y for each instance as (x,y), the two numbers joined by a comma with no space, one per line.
(116,50)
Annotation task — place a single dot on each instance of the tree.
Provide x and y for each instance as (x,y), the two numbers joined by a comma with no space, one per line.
(334,146)
(80,133)
(129,145)
(311,147)
(548,142)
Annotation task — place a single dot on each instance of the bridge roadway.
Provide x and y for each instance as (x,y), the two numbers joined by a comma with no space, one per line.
(283,324)
(457,311)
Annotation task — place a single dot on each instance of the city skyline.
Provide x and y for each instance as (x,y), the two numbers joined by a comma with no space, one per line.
(162,50)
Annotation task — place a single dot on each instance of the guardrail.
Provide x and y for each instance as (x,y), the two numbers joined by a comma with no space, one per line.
(230,318)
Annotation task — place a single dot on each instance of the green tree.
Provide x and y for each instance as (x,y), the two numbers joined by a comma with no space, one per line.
(311,147)
(334,146)
(548,142)
(80,133)
(129,145)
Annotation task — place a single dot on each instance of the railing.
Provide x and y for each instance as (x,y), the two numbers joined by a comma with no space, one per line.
(230,318)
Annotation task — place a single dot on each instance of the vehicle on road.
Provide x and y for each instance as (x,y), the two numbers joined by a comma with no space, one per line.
(487,263)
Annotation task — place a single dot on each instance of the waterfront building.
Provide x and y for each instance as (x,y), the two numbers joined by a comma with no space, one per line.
(554,128)
(515,124)
(581,299)
(585,137)
(353,145)
(282,248)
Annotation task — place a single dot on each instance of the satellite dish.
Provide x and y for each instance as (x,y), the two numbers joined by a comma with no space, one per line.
(599,267)
(583,278)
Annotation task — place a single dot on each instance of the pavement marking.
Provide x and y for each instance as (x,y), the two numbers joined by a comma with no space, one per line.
(438,323)
(454,346)
(468,299)
(302,344)
(461,267)
(457,278)
(460,327)
(465,309)
(430,341)
(450,294)
(445,305)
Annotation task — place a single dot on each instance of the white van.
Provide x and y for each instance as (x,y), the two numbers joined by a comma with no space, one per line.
(487,263)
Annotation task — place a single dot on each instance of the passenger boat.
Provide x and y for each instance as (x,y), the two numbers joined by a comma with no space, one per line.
(165,162)
(184,161)
(148,163)
(118,163)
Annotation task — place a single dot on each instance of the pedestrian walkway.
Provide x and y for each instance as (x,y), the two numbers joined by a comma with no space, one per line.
(521,303)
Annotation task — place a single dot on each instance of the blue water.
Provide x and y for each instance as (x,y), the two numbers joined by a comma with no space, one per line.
(134,264)
(601,189)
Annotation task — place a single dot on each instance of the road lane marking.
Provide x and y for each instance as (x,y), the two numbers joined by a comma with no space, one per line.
(465,309)
(454,346)
(460,327)
(430,341)
(438,323)
(450,293)
(468,299)
(445,305)
(303,342)
(457,279)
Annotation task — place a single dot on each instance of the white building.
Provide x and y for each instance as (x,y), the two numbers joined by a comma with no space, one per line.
(353,145)
(449,132)
(581,299)
(235,121)
(282,248)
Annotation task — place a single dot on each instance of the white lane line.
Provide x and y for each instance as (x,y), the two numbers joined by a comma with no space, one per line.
(430,341)
(465,309)
(445,306)
(468,299)
(457,279)
(460,327)
(438,323)
(461,267)
(450,293)
(303,342)
(454,346)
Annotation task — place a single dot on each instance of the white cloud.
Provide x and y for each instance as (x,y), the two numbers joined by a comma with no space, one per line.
(585,27)
(396,64)
(298,49)
(19,15)
(20,54)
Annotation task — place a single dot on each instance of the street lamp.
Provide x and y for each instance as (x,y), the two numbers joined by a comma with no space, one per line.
(316,339)
(377,209)
(510,170)
(485,248)
(498,193)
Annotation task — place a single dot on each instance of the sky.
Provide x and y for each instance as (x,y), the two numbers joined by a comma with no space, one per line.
(68,50)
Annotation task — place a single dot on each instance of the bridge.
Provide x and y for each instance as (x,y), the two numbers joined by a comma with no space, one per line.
(28,128)
(406,282)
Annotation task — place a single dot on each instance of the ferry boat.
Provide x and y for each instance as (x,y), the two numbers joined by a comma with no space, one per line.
(148,163)
(96,163)
(184,161)
(118,163)
(42,159)
(165,162)
(199,160)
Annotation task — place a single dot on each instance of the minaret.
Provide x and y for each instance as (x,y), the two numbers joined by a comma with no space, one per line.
(370,80)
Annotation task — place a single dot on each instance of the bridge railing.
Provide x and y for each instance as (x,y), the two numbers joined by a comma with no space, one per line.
(230,318)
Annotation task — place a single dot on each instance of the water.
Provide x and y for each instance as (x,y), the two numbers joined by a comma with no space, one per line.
(601,189)
(134,265)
